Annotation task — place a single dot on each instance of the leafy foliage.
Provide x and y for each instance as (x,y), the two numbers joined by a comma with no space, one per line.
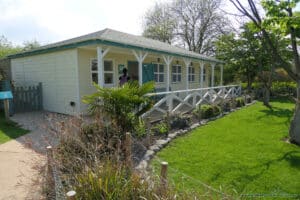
(206,111)
(123,105)
(161,128)
(6,47)
(240,102)
(111,181)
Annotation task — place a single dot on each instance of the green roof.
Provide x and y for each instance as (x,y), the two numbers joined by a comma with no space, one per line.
(119,39)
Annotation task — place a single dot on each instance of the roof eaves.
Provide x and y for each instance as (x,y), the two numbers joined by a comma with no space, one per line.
(106,42)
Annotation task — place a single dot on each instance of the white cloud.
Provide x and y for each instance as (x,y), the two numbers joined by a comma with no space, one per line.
(53,20)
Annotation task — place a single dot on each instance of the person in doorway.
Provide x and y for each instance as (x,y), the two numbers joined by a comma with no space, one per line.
(124,78)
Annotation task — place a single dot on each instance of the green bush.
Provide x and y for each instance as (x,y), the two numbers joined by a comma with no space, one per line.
(278,88)
(161,128)
(122,105)
(179,122)
(240,102)
(207,111)
(283,88)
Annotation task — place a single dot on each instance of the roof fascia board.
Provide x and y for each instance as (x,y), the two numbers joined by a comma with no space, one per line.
(104,42)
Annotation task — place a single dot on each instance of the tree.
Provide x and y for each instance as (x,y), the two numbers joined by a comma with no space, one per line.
(193,24)
(279,18)
(30,45)
(200,23)
(6,47)
(159,23)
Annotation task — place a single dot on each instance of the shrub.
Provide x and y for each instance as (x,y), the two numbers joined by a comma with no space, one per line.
(84,145)
(161,128)
(207,111)
(123,105)
(179,121)
(140,128)
(226,106)
(240,101)
(111,181)
(283,88)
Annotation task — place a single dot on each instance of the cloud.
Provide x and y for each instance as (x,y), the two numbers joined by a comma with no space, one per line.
(53,20)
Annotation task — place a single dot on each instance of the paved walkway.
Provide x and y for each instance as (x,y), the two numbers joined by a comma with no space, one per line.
(22,160)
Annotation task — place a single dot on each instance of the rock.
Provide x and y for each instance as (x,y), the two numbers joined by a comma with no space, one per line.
(149,154)
(142,165)
(194,125)
(154,148)
(161,142)
(172,135)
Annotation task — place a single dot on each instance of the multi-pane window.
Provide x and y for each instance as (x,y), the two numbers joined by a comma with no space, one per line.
(94,70)
(191,74)
(204,74)
(158,73)
(108,71)
(176,73)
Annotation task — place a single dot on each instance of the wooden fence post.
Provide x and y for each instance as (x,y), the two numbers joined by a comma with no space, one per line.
(148,127)
(49,155)
(128,150)
(168,120)
(6,108)
(163,176)
(71,195)
(40,100)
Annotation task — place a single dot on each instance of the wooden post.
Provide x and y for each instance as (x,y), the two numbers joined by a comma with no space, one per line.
(49,175)
(71,195)
(6,108)
(49,155)
(168,120)
(128,150)
(163,176)
(148,126)
(40,100)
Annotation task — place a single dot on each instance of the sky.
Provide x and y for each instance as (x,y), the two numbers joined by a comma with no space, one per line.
(54,20)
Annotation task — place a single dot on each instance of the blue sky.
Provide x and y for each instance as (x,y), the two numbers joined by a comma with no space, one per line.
(53,20)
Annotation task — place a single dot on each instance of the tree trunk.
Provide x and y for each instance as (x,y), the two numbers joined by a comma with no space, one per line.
(295,124)
(266,97)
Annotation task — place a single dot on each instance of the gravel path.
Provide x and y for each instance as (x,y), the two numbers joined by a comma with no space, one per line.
(22,159)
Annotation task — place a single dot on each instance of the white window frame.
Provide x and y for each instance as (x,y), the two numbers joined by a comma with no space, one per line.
(158,73)
(109,72)
(93,71)
(177,74)
(191,75)
(96,72)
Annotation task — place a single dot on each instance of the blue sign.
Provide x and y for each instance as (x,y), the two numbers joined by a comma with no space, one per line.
(6,95)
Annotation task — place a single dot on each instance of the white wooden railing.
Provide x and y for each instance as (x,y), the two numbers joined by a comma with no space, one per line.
(181,101)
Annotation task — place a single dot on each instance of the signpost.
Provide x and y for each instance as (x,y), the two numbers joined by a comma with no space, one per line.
(5,96)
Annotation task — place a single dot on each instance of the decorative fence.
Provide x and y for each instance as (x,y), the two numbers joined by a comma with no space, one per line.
(27,98)
(182,101)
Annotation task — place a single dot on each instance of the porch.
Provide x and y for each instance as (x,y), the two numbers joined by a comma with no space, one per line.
(169,72)
(183,101)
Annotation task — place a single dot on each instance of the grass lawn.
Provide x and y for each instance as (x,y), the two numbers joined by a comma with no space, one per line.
(243,152)
(9,130)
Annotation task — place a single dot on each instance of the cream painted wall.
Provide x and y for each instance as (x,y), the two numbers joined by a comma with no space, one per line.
(58,74)
(85,81)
